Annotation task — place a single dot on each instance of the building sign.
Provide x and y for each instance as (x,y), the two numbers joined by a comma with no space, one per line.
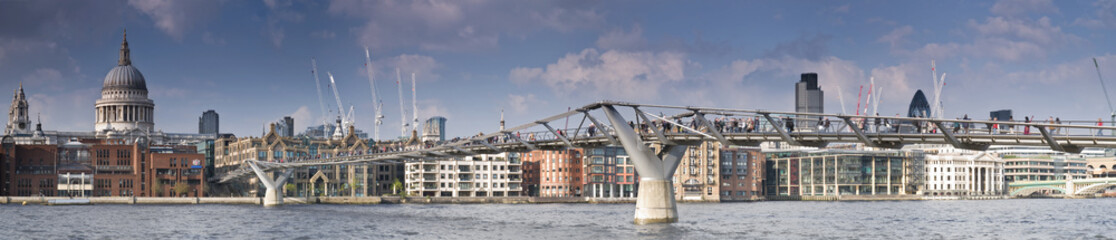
(195,164)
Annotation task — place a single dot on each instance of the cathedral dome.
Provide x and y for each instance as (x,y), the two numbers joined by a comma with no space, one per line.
(125,77)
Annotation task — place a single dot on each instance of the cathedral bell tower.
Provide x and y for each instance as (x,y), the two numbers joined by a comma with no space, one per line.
(19,122)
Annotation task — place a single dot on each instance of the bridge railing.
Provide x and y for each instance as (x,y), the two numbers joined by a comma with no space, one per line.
(709,123)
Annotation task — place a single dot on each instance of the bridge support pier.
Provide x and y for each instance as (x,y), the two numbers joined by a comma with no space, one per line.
(273,195)
(655,203)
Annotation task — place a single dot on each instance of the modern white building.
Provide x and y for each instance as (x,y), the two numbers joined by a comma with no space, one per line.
(953,172)
(484,175)
(1028,163)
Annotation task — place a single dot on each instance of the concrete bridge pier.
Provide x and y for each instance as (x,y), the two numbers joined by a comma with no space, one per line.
(274,195)
(655,203)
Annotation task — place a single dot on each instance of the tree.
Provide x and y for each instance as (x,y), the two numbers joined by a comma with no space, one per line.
(396,186)
(181,188)
(291,188)
(158,187)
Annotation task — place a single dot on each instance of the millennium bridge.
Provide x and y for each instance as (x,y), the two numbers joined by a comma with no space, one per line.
(656,136)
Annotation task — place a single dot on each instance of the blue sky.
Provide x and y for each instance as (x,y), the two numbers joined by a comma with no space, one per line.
(250,60)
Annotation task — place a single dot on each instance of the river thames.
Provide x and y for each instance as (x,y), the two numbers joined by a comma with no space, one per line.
(989,219)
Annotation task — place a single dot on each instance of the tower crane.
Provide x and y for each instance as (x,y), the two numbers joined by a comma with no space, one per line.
(936,107)
(1112,113)
(402,110)
(340,129)
(377,103)
(414,104)
(318,84)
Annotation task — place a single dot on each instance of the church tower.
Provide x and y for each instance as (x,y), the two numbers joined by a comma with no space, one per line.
(19,122)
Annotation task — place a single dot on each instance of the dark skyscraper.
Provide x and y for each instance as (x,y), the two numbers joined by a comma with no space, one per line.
(288,130)
(808,97)
(209,123)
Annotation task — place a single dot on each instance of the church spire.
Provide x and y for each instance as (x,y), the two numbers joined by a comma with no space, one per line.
(125,54)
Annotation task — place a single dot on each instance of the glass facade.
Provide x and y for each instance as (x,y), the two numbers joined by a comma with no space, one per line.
(830,173)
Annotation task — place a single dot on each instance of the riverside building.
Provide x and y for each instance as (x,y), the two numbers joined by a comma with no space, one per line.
(329,180)
(697,177)
(1023,163)
(483,175)
(109,167)
(742,174)
(609,173)
(559,172)
(844,172)
(953,172)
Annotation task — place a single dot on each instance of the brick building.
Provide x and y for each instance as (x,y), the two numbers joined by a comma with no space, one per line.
(609,173)
(559,172)
(742,174)
(105,167)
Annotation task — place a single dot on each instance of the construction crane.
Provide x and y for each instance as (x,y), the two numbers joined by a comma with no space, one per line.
(1112,113)
(402,110)
(414,104)
(377,103)
(936,107)
(318,84)
(339,132)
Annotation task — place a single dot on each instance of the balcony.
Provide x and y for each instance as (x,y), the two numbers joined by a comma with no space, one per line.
(114,168)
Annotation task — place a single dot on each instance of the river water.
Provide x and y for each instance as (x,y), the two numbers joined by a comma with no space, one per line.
(989,219)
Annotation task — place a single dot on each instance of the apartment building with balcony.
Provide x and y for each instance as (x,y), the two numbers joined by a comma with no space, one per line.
(609,173)
(483,175)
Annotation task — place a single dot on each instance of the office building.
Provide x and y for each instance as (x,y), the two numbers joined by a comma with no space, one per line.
(209,123)
(434,130)
(808,97)
(844,172)
(1022,163)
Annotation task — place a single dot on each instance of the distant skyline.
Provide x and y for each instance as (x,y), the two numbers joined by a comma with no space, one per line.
(250,60)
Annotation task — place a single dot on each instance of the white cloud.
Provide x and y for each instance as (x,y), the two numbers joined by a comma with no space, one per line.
(1077,70)
(1008,39)
(302,118)
(842,9)
(49,78)
(175,18)
(1019,7)
(1105,16)
(423,66)
(612,74)
(431,107)
(279,12)
(458,25)
(521,103)
(623,40)
(65,112)
(896,36)
(1041,31)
